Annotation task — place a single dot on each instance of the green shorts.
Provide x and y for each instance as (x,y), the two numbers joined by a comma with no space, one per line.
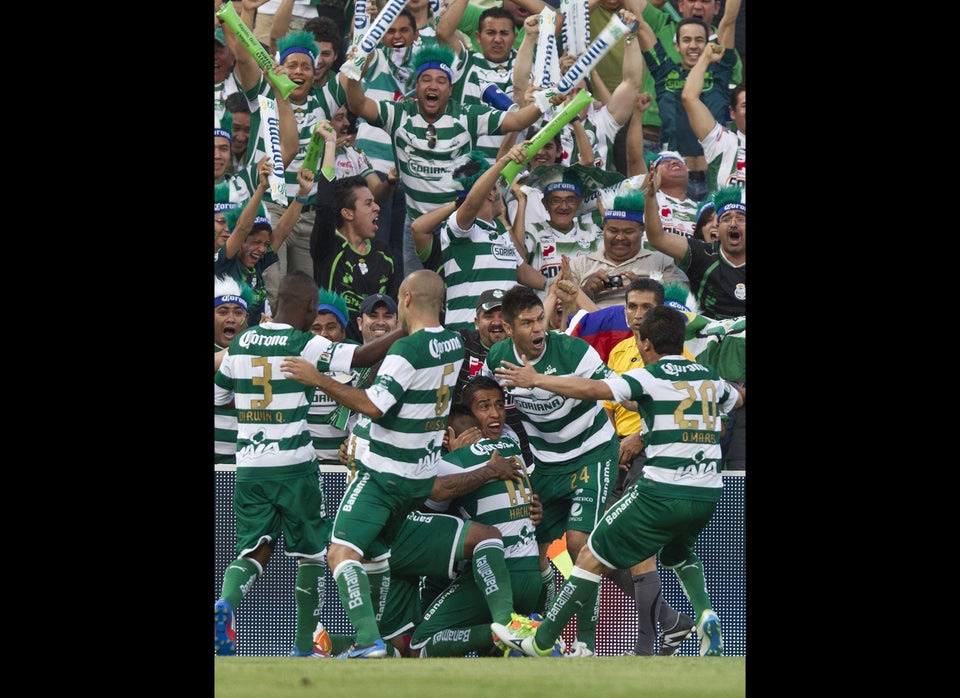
(293,503)
(463,603)
(426,545)
(574,501)
(642,524)
(373,509)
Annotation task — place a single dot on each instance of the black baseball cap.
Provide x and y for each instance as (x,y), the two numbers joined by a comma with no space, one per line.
(490,299)
(371,301)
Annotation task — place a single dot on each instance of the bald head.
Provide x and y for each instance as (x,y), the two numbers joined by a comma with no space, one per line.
(427,296)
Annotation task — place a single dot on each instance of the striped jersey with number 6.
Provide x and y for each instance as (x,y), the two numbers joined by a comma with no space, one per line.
(414,390)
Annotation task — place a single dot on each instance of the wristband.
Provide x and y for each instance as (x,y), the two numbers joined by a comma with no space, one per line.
(302,199)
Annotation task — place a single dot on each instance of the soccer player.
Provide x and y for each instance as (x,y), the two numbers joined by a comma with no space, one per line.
(279,487)
(663,513)
(457,622)
(574,444)
(394,450)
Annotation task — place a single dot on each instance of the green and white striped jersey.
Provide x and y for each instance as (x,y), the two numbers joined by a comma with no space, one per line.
(477,74)
(327,419)
(560,429)
(726,155)
(272,429)
(427,173)
(601,131)
(389,78)
(500,503)
(474,260)
(680,402)
(545,245)
(224,431)
(322,103)
(413,389)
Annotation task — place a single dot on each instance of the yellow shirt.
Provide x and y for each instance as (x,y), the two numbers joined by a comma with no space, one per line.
(622,358)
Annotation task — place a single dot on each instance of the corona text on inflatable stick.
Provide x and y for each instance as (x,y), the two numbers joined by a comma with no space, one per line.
(353,67)
(549,130)
(230,17)
(615,30)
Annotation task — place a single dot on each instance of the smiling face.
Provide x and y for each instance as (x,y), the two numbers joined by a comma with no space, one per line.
(690,42)
(401,33)
(228,320)
(241,134)
(299,67)
(490,410)
(223,62)
(221,156)
(326,59)
(254,247)
(377,323)
(621,239)
(549,154)
(433,93)
(562,207)
(489,325)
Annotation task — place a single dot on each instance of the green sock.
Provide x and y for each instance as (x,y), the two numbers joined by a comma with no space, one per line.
(548,588)
(690,574)
(354,589)
(308,593)
(238,579)
(580,589)
(378,574)
(587,618)
(492,576)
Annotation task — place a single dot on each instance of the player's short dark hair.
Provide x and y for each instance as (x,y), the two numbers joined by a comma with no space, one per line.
(475,384)
(345,193)
(461,418)
(665,327)
(518,299)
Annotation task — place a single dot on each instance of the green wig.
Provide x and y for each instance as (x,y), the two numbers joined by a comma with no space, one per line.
(333,302)
(474,166)
(728,199)
(298,42)
(439,57)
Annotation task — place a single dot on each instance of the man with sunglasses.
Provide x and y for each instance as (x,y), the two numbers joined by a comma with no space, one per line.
(432,133)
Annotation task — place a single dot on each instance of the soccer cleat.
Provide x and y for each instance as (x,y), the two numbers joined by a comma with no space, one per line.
(295,652)
(518,627)
(580,649)
(224,634)
(670,639)
(711,643)
(377,650)
(321,641)
(514,645)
